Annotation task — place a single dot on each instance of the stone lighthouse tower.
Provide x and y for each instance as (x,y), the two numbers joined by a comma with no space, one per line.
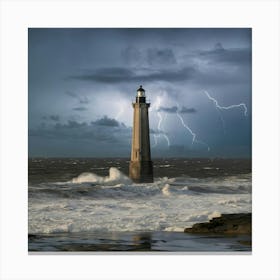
(141,166)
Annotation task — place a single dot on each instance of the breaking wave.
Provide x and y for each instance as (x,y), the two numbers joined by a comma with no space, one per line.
(115,177)
(90,202)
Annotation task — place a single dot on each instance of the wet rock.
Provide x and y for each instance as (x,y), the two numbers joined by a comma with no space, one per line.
(226,224)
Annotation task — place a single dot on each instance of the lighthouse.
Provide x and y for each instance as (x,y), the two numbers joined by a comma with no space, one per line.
(141,166)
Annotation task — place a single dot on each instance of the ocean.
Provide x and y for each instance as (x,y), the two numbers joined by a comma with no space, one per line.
(84,204)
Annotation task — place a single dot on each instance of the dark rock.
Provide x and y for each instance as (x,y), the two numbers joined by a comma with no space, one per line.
(226,224)
(246,242)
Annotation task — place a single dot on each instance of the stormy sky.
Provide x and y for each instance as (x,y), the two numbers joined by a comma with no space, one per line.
(81,83)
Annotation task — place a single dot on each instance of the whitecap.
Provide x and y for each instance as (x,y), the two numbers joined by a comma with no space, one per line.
(115,177)
(165,190)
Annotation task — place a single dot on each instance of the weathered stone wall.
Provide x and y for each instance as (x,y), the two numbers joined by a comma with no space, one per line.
(141,167)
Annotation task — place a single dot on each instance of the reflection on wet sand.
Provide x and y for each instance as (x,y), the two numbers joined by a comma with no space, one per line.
(142,241)
(137,242)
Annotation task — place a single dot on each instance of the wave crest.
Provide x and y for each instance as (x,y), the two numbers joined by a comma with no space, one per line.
(115,177)
(204,216)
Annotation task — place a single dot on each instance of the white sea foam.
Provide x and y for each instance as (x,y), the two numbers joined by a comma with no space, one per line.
(165,190)
(113,203)
(115,177)
(203,216)
(235,201)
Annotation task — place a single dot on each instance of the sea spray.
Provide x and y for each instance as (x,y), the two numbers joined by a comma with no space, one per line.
(112,203)
(115,177)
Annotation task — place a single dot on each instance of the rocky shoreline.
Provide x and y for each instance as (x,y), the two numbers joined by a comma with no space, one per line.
(240,223)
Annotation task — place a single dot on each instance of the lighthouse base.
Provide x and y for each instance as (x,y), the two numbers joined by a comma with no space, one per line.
(141,171)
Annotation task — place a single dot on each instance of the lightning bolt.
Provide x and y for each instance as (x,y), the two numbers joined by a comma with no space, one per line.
(241,105)
(156,142)
(187,127)
(157,105)
(155,135)
(194,138)
(222,120)
(162,129)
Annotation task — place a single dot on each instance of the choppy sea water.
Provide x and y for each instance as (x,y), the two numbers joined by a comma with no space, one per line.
(91,204)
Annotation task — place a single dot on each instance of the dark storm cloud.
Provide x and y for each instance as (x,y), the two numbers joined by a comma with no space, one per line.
(92,131)
(181,35)
(70,93)
(83,100)
(157,132)
(238,56)
(105,121)
(70,125)
(176,64)
(186,110)
(79,109)
(171,110)
(131,54)
(223,77)
(55,118)
(153,131)
(120,75)
(80,99)
(160,56)
(175,109)
(150,56)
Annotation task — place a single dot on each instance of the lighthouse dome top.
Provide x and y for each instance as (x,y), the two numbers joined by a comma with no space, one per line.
(140,92)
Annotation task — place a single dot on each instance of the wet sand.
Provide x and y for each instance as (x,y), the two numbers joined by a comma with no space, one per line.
(138,242)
